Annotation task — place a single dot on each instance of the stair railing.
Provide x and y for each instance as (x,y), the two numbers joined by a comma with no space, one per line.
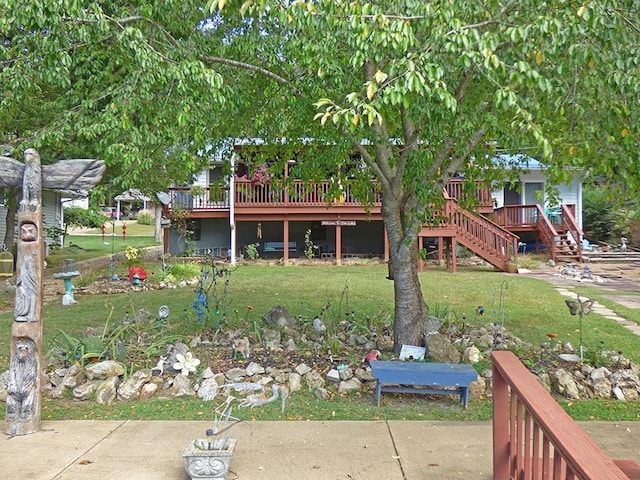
(570,226)
(547,232)
(495,244)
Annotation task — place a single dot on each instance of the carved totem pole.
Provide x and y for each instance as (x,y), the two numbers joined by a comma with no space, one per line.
(24,392)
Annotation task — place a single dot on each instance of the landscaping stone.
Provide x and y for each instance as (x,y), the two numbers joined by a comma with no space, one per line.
(107,391)
(440,349)
(130,388)
(105,369)
(279,317)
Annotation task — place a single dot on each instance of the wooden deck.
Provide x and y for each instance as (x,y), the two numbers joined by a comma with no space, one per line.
(492,234)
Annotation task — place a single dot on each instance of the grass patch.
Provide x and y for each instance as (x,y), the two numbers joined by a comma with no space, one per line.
(530,308)
(85,247)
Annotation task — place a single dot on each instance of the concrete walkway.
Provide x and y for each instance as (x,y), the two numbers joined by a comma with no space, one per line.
(601,310)
(390,450)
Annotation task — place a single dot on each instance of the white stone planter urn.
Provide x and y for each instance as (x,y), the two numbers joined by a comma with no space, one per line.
(207,461)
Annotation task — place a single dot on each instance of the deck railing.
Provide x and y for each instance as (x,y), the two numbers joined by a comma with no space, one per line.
(533,437)
(294,193)
(496,244)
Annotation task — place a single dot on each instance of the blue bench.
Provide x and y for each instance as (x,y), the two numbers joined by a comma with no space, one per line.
(423,377)
(278,247)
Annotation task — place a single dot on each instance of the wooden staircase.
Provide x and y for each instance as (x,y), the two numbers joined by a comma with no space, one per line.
(476,233)
(493,240)
(560,234)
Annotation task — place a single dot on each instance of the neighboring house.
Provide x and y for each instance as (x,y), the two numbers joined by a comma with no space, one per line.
(276,218)
(52,213)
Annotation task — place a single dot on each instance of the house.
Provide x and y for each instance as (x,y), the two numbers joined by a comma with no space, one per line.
(276,217)
(52,213)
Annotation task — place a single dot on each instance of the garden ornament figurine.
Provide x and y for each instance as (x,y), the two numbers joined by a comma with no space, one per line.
(24,389)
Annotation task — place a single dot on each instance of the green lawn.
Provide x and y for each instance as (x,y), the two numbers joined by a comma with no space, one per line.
(530,309)
(93,244)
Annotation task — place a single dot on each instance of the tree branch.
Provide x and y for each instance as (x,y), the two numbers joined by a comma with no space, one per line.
(247,66)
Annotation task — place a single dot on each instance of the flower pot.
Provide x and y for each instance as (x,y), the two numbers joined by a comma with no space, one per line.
(512,267)
(201,463)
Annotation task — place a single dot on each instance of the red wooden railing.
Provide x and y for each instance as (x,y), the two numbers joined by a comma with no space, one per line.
(570,227)
(295,193)
(480,235)
(547,233)
(533,437)
(481,194)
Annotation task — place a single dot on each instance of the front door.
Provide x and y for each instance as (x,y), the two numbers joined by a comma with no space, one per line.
(512,194)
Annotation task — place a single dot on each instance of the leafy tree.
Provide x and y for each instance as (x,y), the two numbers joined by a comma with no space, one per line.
(419,90)
(425,90)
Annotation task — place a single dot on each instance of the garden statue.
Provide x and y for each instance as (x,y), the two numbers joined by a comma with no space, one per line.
(24,384)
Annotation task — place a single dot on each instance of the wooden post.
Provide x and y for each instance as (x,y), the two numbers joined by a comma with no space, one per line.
(500,426)
(338,244)
(24,390)
(285,237)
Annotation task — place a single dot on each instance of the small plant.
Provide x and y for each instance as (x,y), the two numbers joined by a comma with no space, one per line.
(133,256)
(252,252)
(310,248)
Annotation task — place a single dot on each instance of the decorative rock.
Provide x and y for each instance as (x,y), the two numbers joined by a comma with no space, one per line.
(630,394)
(626,378)
(291,345)
(569,357)
(75,376)
(235,374)
(345,373)
(130,388)
(295,382)
(254,369)
(103,370)
(478,388)
(314,380)
(351,385)
(617,393)
(182,386)
(471,355)
(106,391)
(333,375)
(272,340)
(148,390)
(564,384)
(364,375)
(302,369)
(433,325)
(318,326)
(279,317)
(441,349)
(84,391)
(208,373)
(321,394)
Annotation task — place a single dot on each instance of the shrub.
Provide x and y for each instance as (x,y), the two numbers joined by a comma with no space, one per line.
(145,217)
(80,217)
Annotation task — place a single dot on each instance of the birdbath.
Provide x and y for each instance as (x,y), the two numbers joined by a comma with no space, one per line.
(69,270)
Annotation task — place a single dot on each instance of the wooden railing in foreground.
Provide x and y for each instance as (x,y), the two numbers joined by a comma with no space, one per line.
(533,437)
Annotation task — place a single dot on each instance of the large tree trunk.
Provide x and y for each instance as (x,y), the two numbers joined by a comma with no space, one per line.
(410,308)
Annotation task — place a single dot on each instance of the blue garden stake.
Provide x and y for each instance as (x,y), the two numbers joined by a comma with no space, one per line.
(200,304)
